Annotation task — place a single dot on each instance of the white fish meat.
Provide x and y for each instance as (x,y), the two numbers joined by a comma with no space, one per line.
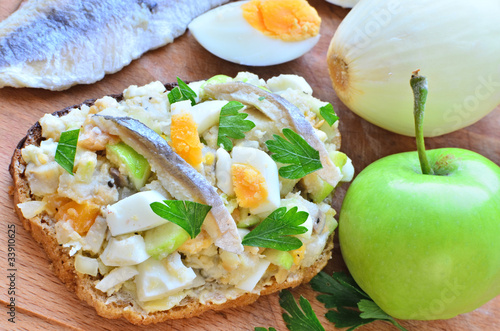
(283,113)
(55,44)
(180,179)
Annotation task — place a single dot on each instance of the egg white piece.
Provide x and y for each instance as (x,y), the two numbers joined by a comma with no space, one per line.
(267,167)
(223,171)
(204,114)
(224,32)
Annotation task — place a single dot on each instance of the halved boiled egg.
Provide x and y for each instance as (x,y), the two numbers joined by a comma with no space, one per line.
(258,32)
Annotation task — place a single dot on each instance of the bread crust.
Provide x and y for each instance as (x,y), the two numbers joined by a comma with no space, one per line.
(42,229)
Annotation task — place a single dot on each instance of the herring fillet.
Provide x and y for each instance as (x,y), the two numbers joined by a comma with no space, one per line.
(55,44)
(177,176)
(283,113)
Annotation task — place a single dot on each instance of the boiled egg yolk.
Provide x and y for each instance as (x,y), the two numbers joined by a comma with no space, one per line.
(185,138)
(258,32)
(289,20)
(255,179)
(249,185)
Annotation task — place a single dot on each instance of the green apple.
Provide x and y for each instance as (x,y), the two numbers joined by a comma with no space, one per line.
(279,258)
(422,236)
(135,166)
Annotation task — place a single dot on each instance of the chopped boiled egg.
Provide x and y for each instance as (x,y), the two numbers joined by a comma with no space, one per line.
(156,279)
(255,180)
(124,252)
(258,32)
(205,114)
(185,138)
(116,278)
(223,171)
(134,213)
(252,278)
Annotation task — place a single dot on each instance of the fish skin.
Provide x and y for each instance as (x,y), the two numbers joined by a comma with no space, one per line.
(283,113)
(177,176)
(55,44)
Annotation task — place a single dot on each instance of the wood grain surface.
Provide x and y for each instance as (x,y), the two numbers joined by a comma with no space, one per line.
(43,302)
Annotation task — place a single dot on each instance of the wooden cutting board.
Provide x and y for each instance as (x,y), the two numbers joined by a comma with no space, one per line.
(43,302)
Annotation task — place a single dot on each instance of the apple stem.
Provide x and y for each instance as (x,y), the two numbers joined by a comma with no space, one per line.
(419,87)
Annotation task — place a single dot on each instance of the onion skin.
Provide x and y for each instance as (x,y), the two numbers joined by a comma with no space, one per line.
(456,44)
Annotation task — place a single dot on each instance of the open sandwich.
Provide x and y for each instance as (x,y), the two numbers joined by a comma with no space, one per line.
(167,201)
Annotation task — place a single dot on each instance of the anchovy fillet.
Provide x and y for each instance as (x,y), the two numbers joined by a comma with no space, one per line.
(177,176)
(283,113)
(54,44)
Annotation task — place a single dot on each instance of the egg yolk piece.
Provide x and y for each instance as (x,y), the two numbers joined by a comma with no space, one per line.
(249,185)
(288,20)
(80,216)
(185,138)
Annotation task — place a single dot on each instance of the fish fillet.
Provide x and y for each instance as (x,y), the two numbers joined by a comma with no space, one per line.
(283,113)
(180,179)
(55,44)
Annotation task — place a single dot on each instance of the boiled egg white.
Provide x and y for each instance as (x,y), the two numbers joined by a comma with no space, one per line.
(262,33)
(255,180)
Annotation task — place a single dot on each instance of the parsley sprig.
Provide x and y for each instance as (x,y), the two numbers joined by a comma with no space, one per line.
(349,305)
(328,114)
(66,149)
(181,92)
(276,230)
(232,124)
(188,215)
(298,319)
(301,157)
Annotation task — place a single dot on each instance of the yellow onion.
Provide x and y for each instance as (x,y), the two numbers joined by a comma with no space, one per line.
(455,43)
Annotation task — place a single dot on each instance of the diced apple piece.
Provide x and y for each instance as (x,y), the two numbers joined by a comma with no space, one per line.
(134,213)
(133,164)
(164,239)
(317,188)
(279,258)
(124,252)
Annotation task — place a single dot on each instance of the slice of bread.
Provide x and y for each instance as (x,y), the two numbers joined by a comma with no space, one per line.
(42,229)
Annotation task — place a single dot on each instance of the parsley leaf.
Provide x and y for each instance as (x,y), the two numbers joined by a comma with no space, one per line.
(181,93)
(303,159)
(370,309)
(259,328)
(344,296)
(298,319)
(188,215)
(347,318)
(276,229)
(328,114)
(232,124)
(66,149)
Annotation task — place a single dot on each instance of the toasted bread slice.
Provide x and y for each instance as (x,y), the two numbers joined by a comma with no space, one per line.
(42,229)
